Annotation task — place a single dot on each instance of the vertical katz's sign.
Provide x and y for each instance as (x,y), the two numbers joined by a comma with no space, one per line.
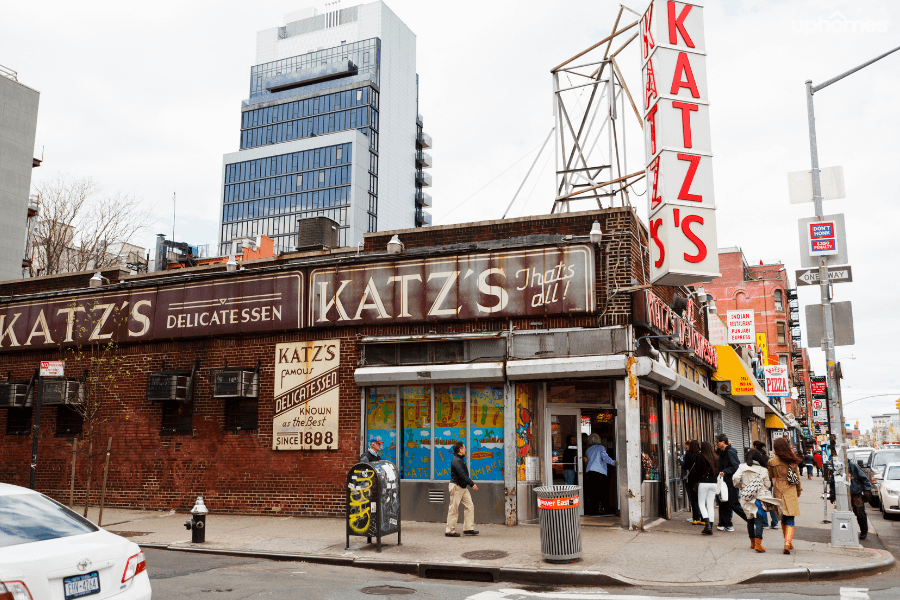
(306,395)
(678,149)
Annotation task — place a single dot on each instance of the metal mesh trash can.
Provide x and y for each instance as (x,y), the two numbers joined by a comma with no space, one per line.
(560,523)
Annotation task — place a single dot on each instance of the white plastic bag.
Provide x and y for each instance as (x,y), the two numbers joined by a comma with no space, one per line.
(723,489)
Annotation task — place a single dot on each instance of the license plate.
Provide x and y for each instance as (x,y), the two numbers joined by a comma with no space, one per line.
(82,585)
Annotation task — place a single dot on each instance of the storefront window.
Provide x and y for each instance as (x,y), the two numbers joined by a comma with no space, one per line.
(580,392)
(381,420)
(526,435)
(416,438)
(449,426)
(650,447)
(486,440)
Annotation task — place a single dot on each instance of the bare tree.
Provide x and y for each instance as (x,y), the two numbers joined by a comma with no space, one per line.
(81,228)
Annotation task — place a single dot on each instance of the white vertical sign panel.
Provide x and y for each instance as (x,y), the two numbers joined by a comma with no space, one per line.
(679,244)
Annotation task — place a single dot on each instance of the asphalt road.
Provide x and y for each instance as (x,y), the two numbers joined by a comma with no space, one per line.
(175,575)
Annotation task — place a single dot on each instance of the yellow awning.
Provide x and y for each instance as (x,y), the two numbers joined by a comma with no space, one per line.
(773,422)
(733,369)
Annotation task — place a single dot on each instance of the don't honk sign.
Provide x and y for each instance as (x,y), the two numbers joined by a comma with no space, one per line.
(678,148)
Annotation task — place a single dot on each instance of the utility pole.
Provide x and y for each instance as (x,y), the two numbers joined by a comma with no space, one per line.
(842,492)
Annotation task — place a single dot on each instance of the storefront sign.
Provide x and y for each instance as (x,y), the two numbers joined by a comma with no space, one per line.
(776,381)
(307,391)
(513,283)
(226,306)
(678,149)
(652,312)
(741,327)
(762,348)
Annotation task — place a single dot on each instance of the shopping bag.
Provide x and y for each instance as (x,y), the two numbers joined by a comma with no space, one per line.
(723,489)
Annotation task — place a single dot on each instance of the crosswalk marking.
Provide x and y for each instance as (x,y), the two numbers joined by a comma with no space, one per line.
(854,593)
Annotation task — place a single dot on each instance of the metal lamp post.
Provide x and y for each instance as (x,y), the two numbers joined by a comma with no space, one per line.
(842,514)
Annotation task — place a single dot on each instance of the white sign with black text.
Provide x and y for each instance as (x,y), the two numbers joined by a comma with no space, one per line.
(741,327)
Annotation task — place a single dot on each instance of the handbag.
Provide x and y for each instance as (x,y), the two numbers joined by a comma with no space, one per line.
(723,489)
(792,477)
(750,491)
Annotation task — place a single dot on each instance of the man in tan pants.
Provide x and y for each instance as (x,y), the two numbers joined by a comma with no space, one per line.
(459,492)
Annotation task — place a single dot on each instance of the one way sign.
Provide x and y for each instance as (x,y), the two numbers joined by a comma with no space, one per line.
(835,275)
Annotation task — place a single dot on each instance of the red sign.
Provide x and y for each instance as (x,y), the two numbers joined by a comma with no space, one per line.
(557,503)
(817,387)
(656,314)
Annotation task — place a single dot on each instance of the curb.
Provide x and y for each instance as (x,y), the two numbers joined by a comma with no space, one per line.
(822,573)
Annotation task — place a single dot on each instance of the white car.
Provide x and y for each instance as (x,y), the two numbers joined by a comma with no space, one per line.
(48,552)
(889,490)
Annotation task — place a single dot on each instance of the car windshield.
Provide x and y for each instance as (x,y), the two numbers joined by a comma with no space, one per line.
(883,458)
(861,455)
(893,473)
(28,518)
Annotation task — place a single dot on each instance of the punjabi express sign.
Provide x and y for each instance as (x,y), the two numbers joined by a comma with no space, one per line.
(307,392)
(652,312)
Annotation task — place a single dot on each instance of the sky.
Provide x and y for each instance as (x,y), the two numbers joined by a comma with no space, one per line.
(146,98)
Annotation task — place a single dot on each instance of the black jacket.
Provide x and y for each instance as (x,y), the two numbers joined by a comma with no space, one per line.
(369,457)
(702,473)
(728,463)
(570,457)
(859,483)
(459,472)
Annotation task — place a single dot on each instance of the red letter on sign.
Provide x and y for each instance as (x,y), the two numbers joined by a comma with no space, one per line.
(651,118)
(647,38)
(654,196)
(686,120)
(685,192)
(654,234)
(650,85)
(701,247)
(676,25)
(684,66)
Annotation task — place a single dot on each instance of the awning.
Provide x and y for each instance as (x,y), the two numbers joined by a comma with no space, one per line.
(570,366)
(458,372)
(688,389)
(745,390)
(773,422)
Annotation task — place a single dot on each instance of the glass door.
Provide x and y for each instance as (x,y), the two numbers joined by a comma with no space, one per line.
(564,447)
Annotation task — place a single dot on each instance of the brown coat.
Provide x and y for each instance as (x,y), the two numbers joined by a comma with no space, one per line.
(781,489)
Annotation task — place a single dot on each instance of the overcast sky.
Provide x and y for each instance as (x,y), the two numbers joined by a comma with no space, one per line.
(146,98)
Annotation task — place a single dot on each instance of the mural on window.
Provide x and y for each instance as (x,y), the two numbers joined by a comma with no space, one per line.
(449,426)
(526,442)
(381,420)
(416,431)
(486,426)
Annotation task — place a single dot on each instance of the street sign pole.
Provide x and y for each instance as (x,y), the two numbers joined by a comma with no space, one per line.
(842,492)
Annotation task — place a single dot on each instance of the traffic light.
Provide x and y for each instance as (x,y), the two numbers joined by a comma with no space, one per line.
(898,404)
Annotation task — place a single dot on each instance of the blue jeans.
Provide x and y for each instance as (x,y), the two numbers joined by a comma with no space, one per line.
(761,514)
(570,476)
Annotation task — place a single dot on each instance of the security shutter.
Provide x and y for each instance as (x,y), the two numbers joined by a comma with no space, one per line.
(731,425)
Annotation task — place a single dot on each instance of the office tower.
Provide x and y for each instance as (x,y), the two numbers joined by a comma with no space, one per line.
(18,127)
(331,128)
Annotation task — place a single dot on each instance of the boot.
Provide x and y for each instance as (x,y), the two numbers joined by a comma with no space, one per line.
(809,475)
(788,538)
(707,529)
(758,546)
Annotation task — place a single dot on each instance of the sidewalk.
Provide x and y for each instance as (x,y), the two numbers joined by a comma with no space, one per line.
(668,552)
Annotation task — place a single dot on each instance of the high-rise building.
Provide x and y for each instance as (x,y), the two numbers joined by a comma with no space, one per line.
(18,127)
(331,128)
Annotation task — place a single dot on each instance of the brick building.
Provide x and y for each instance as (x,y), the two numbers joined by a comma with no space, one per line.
(258,387)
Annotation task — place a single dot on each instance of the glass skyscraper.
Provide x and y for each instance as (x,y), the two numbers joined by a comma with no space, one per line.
(331,128)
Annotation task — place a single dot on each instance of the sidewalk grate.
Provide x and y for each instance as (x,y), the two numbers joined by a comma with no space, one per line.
(387,590)
(485,554)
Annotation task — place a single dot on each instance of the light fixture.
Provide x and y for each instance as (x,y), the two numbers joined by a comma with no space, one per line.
(596,233)
(231,265)
(96,281)
(711,307)
(395,246)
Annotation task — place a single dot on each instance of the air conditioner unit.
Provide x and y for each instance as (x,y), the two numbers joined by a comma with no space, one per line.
(167,386)
(15,395)
(236,384)
(62,391)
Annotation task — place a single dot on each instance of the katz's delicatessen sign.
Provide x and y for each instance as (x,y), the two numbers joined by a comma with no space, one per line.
(677,144)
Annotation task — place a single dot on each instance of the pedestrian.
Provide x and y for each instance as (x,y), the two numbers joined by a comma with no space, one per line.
(595,478)
(691,469)
(728,466)
(785,475)
(460,482)
(373,452)
(570,460)
(707,486)
(755,496)
(817,460)
(860,491)
(770,515)
(808,462)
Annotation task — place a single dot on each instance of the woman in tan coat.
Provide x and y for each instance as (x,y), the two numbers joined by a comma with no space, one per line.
(785,476)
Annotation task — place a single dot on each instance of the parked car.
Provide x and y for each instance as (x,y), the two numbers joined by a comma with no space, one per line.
(889,490)
(878,460)
(48,552)
(859,454)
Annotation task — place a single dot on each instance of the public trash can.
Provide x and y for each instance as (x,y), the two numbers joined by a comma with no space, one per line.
(560,524)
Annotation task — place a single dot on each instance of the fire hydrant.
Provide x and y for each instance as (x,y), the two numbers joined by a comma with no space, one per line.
(197,524)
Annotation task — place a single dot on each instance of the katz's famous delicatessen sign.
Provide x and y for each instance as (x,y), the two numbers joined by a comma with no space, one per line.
(307,394)
(652,312)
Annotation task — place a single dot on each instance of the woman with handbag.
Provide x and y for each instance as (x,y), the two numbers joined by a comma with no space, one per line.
(752,481)
(785,476)
(691,467)
(707,472)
